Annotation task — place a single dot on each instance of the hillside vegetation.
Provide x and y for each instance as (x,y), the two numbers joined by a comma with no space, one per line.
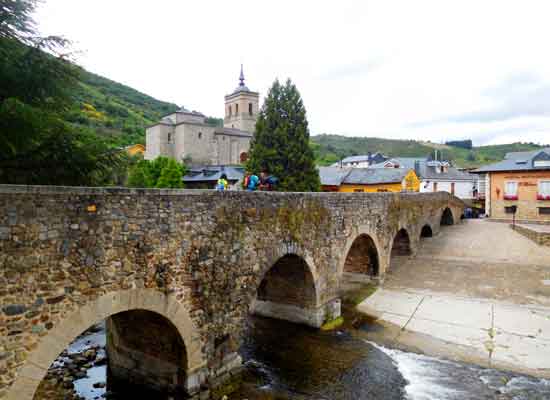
(331,148)
(115,111)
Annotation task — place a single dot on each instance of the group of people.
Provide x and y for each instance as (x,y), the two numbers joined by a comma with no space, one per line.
(251,182)
(265,181)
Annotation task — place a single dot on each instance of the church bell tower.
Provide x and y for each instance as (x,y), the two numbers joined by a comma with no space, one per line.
(241,107)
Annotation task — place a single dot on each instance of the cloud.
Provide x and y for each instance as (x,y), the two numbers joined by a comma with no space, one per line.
(362,68)
(520,95)
(350,70)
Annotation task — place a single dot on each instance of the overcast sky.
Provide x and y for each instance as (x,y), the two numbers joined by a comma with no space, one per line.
(427,70)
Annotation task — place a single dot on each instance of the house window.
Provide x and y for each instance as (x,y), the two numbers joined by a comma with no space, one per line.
(250,108)
(236,109)
(200,135)
(435,186)
(230,112)
(511,190)
(169,138)
(452,188)
(544,210)
(544,190)
(510,210)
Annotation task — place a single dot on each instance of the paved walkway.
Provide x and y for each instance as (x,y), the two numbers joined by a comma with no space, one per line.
(503,335)
(478,259)
(478,286)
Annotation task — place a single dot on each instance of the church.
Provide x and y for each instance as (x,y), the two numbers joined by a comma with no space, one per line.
(185,136)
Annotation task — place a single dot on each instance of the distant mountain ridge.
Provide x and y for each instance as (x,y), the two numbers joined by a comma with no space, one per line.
(332,148)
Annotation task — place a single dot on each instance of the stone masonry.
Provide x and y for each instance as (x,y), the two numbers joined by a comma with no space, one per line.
(200,261)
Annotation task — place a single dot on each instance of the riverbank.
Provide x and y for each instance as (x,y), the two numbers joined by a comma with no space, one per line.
(486,332)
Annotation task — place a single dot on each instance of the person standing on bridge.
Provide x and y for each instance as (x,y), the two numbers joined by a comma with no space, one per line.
(222,183)
(251,182)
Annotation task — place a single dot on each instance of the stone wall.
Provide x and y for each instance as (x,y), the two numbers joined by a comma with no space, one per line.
(71,257)
(538,234)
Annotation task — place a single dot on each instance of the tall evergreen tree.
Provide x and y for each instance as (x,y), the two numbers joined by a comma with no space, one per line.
(280,145)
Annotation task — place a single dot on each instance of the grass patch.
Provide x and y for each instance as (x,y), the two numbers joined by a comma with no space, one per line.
(332,324)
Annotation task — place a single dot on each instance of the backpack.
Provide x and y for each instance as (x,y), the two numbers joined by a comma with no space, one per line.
(272,180)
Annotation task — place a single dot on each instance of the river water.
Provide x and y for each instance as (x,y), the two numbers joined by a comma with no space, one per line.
(287,361)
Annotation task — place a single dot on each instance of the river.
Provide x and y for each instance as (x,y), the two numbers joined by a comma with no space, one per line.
(287,361)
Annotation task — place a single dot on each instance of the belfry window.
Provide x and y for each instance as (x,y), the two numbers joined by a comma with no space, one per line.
(250,108)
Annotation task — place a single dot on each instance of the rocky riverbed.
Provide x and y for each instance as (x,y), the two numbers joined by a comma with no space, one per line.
(79,373)
(284,361)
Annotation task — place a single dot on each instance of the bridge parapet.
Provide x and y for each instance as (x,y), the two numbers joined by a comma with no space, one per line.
(203,260)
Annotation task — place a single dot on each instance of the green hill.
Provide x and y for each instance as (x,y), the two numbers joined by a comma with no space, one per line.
(115,111)
(331,148)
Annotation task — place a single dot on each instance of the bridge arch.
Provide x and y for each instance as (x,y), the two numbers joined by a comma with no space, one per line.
(401,246)
(288,290)
(426,231)
(447,217)
(362,256)
(363,235)
(115,303)
(289,281)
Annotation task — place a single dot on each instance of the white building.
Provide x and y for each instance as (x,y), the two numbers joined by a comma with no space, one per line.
(184,135)
(437,176)
(363,161)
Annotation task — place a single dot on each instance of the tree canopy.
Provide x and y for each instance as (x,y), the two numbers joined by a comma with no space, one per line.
(280,145)
(162,172)
(37,146)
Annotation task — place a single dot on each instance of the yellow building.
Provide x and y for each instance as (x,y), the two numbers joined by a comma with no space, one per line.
(135,149)
(368,180)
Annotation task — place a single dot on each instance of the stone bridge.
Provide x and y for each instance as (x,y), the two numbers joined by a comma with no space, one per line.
(176,273)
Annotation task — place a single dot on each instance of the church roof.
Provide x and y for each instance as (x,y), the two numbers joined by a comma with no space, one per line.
(232,132)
